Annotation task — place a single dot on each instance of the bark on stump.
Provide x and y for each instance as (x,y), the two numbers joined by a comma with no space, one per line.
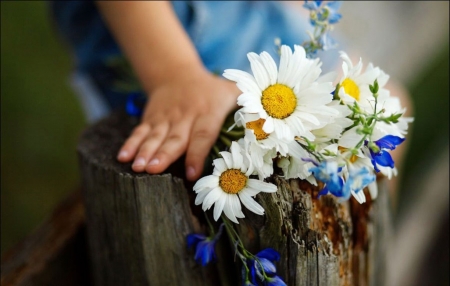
(137,224)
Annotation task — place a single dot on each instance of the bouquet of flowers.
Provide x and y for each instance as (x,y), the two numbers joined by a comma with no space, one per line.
(319,128)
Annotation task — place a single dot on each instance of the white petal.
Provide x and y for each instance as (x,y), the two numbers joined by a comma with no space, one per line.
(218,207)
(373,189)
(359,196)
(245,80)
(236,204)
(236,155)
(210,181)
(296,125)
(308,117)
(328,77)
(282,130)
(260,73)
(219,165)
(211,198)
(268,125)
(251,192)
(248,99)
(270,66)
(201,196)
(297,151)
(261,186)
(250,203)
(228,210)
(350,138)
(286,54)
(227,158)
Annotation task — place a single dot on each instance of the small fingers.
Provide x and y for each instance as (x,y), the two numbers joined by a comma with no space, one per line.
(148,147)
(172,148)
(203,136)
(131,145)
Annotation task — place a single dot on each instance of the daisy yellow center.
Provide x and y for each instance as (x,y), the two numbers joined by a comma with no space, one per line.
(232,181)
(279,101)
(351,88)
(257,126)
(353,158)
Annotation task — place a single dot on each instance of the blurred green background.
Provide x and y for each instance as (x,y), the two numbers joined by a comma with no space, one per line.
(41,119)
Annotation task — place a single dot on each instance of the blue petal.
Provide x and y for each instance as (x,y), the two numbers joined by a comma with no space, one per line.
(335,5)
(324,191)
(383,158)
(133,104)
(363,176)
(193,239)
(335,185)
(275,281)
(268,266)
(132,109)
(269,253)
(374,163)
(340,191)
(333,18)
(310,5)
(318,3)
(389,142)
(205,252)
(252,269)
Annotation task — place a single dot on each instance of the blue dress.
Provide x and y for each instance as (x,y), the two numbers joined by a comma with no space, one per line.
(223,32)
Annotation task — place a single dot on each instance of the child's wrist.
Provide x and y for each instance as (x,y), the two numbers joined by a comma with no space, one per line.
(174,73)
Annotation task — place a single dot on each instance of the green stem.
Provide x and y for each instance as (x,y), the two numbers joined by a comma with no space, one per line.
(216,151)
(209,224)
(225,140)
(234,134)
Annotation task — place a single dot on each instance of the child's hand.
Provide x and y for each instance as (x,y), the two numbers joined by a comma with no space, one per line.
(184,112)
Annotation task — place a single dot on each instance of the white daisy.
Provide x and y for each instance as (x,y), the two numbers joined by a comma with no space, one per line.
(297,163)
(294,167)
(391,106)
(229,185)
(291,100)
(257,155)
(358,162)
(338,123)
(354,86)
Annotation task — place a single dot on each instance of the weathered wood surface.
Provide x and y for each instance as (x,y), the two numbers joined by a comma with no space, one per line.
(137,224)
(322,241)
(54,254)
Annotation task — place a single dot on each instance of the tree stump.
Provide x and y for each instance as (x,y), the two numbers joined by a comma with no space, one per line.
(137,224)
(322,241)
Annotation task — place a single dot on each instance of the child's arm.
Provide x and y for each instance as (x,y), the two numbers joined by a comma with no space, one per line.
(187,104)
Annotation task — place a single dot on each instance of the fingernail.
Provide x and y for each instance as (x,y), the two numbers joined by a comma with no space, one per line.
(122,154)
(190,172)
(139,162)
(154,162)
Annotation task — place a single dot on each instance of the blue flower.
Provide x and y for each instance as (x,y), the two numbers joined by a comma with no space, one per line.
(312,5)
(327,42)
(333,15)
(358,180)
(327,173)
(381,156)
(204,246)
(262,268)
(327,13)
(134,103)
(274,281)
